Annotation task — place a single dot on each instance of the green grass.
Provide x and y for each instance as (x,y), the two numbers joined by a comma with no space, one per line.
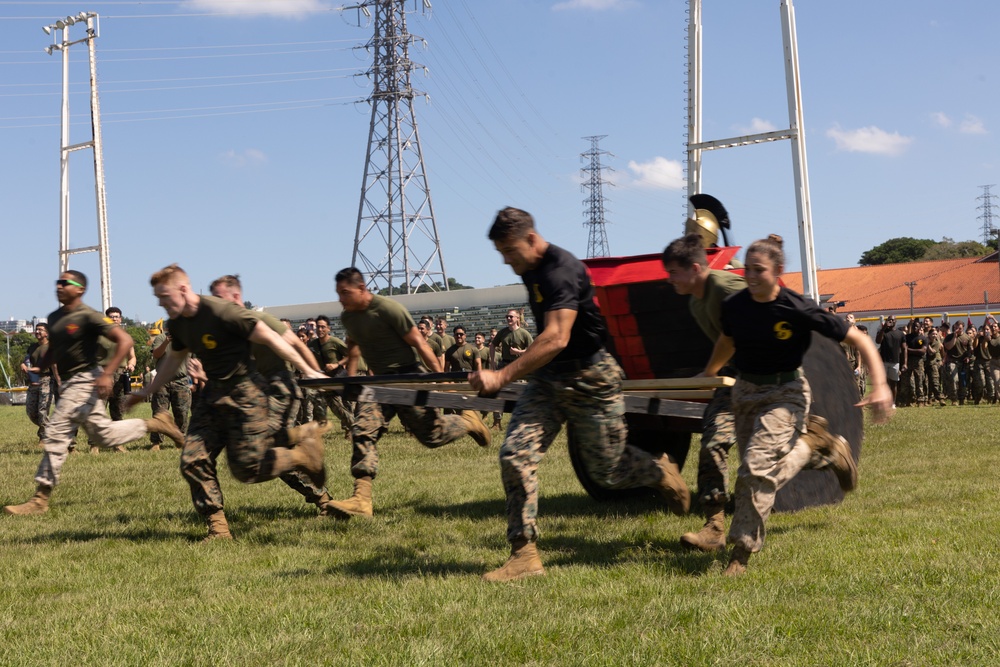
(904,572)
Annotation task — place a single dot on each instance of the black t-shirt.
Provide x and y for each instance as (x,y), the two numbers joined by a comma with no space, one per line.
(891,347)
(561,282)
(773,337)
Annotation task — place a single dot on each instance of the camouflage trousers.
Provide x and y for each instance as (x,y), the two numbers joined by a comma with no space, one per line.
(981,380)
(717,437)
(306,407)
(932,372)
(342,409)
(428,425)
(769,422)
(118,392)
(79,405)
(995,374)
(915,381)
(174,397)
(954,381)
(238,416)
(37,404)
(590,402)
(285,399)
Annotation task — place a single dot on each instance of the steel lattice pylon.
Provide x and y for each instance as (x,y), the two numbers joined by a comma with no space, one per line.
(396,243)
(597,241)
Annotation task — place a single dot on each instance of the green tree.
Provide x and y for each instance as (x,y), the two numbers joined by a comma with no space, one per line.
(896,251)
(143,353)
(13,352)
(424,287)
(949,249)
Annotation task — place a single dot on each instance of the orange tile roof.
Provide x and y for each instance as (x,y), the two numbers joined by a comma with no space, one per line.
(940,284)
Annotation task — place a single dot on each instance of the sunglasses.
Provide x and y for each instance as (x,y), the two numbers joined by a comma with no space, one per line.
(62,282)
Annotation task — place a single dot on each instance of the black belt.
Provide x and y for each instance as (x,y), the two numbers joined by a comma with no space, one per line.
(570,365)
(772,378)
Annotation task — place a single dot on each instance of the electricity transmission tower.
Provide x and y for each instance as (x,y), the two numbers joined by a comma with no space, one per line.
(987,209)
(396,241)
(61,42)
(597,242)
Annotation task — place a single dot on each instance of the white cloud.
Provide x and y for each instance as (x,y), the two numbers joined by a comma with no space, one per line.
(757,126)
(248,157)
(594,5)
(658,174)
(281,8)
(869,140)
(972,125)
(941,119)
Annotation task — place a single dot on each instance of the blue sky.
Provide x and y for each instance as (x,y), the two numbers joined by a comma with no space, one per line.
(235,132)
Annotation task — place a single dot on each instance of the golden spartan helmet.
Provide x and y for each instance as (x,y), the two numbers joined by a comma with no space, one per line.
(710,219)
(705,225)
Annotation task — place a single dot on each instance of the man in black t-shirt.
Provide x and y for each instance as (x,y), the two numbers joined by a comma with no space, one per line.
(572,379)
(890,340)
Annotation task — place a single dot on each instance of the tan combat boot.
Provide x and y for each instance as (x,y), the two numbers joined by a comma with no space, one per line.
(737,562)
(360,504)
(672,487)
(712,536)
(523,562)
(834,449)
(477,428)
(163,424)
(322,501)
(95,450)
(37,504)
(155,447)
(218,527)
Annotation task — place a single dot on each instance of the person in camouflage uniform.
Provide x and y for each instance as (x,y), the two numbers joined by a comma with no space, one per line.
(122,374)
(74,333)
(932,366)
(382,331)
(39,398)
(914,350)
(686,261)
(571,379)
(766,330)
(284,396)
(232,411)
(331,354)
(175,397)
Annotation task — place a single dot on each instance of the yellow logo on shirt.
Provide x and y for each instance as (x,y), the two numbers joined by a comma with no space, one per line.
(209,342)
(782,331)
(538,294)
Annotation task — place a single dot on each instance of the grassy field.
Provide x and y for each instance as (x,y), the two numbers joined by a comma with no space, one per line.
(904,572)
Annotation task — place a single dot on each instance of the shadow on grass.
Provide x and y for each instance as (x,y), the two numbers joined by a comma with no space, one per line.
(401,562)
(565,504)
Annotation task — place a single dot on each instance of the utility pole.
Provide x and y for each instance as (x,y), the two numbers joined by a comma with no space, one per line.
(597,241)
(911,286)
(61,42)
(796,132)
(396,238)
(987,208)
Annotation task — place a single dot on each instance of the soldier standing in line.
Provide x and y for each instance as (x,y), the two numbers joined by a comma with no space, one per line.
(572,378)
(382,331)
(74,330)
(424,327)
(232,411)
(331,354)
(463,355)
(914,350)
(507,345)
(932,366)
(39,398)
(175,396)
(122,374)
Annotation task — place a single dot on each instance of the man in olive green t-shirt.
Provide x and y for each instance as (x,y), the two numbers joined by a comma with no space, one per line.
(74,330)
(382,331)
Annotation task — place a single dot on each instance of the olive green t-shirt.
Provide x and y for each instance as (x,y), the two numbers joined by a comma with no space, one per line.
(36,352)
(435,345)
(182,372)
(507,338)
(461,357)
(268,362)
(707,311)
(73,337)
(219,334)
(333,351)
(378,330)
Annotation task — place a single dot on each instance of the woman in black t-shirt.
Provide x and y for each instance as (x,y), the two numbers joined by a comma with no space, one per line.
(766,330)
